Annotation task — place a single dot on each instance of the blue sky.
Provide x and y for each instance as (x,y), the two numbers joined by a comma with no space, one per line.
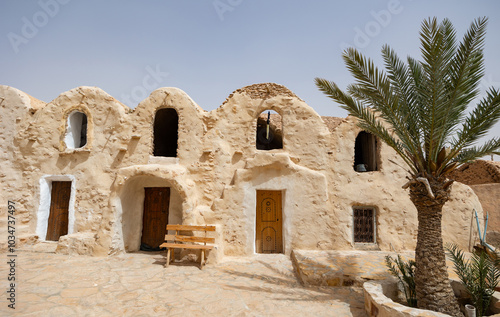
(211,48)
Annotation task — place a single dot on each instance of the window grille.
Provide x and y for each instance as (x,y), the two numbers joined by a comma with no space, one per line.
(364,226)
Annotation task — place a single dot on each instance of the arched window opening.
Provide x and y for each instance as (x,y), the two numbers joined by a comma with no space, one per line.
(366,153)
(166,133)
(76,132)
(269,131)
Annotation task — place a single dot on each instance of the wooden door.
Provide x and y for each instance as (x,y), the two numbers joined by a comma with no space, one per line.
(59,210)
(155,217)
(269,229)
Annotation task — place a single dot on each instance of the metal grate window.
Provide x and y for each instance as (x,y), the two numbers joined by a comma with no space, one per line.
(364,227)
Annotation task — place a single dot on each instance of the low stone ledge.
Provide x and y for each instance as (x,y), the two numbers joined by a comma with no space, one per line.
(348,267)
(81,243)
(23,241)
(341,268)
(380,301)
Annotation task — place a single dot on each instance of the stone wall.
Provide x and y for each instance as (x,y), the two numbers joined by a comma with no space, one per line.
(478,172)
(489,196)
(16,110)
(484,179)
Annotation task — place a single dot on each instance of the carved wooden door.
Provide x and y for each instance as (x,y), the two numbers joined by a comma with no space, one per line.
(59,209)
(269,228)
(155,217)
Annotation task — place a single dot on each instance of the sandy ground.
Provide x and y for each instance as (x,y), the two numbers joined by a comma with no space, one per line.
(137,284)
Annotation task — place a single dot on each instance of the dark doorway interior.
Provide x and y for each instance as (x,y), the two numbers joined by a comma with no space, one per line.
(83,133)
(365,153)
(166,133)
(269,131)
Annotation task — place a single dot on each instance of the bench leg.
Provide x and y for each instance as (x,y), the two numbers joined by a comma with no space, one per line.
(168,257)
(202,261)
(172,255)
(169,253)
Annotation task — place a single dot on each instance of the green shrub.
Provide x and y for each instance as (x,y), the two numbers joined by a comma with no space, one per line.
(479,275)
(404,271)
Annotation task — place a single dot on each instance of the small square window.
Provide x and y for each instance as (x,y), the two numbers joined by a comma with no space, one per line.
(364,224)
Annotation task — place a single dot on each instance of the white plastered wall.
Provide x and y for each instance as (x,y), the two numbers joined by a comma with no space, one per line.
(45,200)
(250,211)
(294,212)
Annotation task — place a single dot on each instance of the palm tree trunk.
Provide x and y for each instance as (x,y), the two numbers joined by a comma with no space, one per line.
(433,286)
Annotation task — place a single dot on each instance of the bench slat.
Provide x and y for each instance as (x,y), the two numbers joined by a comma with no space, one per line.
(194,239)
(186,246)
(187,239)
(170,237)
(179,238)
(190,228)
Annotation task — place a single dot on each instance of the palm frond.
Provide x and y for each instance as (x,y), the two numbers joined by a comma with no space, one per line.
(368,121)
(405,273)
(479,275)
(374,89)
(437,47)
(465,72)
(473,153)
(400,76)
(423,104)
(485,115)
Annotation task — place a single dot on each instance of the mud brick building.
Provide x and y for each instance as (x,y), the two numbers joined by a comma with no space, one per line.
(91,176)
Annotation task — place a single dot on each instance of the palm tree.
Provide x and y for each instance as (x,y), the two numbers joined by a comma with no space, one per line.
(419,108)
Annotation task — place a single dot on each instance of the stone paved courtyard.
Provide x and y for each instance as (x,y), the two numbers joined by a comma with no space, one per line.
(138,285)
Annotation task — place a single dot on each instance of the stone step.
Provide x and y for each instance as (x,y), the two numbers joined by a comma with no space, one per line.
(346,268)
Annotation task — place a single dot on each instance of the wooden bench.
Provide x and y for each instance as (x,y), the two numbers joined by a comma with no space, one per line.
(181,241)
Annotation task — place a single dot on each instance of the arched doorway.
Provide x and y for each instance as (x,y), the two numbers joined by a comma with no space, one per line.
(148,203)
